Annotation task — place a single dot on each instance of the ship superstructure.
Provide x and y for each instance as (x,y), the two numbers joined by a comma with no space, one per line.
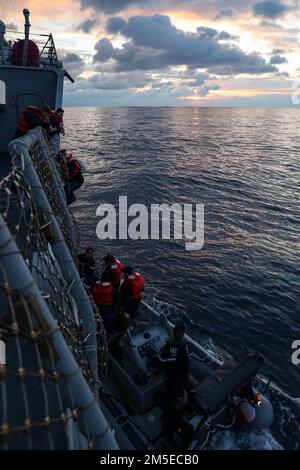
(30,76)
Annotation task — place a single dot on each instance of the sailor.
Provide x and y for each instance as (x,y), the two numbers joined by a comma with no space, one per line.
(106,296)
(75,178)
(57,128)
(87,265)
(75,172)
(113,268)
(32,117)
(174,357)
(131,291)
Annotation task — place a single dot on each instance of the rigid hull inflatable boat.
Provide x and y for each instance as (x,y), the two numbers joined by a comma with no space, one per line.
(134,398)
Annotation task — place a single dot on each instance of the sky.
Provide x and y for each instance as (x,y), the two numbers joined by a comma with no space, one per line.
(171,52)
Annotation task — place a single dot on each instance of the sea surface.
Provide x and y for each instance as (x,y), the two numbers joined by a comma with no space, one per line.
(242,290)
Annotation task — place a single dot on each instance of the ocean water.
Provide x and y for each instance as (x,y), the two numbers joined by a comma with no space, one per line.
(243,288)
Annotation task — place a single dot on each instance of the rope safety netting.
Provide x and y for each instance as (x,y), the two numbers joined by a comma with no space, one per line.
(44,397)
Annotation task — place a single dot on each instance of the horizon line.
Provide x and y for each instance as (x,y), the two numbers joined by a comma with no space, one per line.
(176,106)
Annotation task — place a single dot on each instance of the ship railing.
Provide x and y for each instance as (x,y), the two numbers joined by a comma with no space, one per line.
(51,333)
(45,42)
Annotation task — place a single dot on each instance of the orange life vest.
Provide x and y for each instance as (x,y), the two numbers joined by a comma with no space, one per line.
(102,293)
(74,167)
(136,280)
(23,125)
(116,267)
(57,118)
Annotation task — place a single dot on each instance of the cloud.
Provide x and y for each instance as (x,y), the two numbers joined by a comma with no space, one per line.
(104,50)
(282,74)
(115,24)
(117,81)
(153,43)
(72,57)
(87,25)
(195,78)
(197,82)
(272,9)
(277,59)
(73,63)
(109,6)
(215,9)
(141,88)
(225,13)
(144,85)
(11,27)
(206,89)
(210,33)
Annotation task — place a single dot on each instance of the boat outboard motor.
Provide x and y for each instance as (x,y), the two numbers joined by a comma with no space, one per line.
(229,380)
(234,379)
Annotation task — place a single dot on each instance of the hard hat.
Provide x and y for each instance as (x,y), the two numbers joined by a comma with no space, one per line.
(127,270)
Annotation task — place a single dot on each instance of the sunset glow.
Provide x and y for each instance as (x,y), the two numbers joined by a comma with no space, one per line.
(168,52)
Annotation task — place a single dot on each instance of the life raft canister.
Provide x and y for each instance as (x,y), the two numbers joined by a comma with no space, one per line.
(137,282)
(102,293)
(33,54)
(245,414)
(23,124)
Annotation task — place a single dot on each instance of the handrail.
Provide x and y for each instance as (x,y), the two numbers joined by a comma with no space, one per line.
(77,395)
(23,147)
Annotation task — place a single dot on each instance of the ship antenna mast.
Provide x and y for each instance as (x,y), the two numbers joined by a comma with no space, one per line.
(27,25)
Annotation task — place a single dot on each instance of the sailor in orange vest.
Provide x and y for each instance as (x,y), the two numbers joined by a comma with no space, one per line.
(32,117)
(106,297)
(75,178)
(113,269)
(57,128)
(75,172)
(131,291)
